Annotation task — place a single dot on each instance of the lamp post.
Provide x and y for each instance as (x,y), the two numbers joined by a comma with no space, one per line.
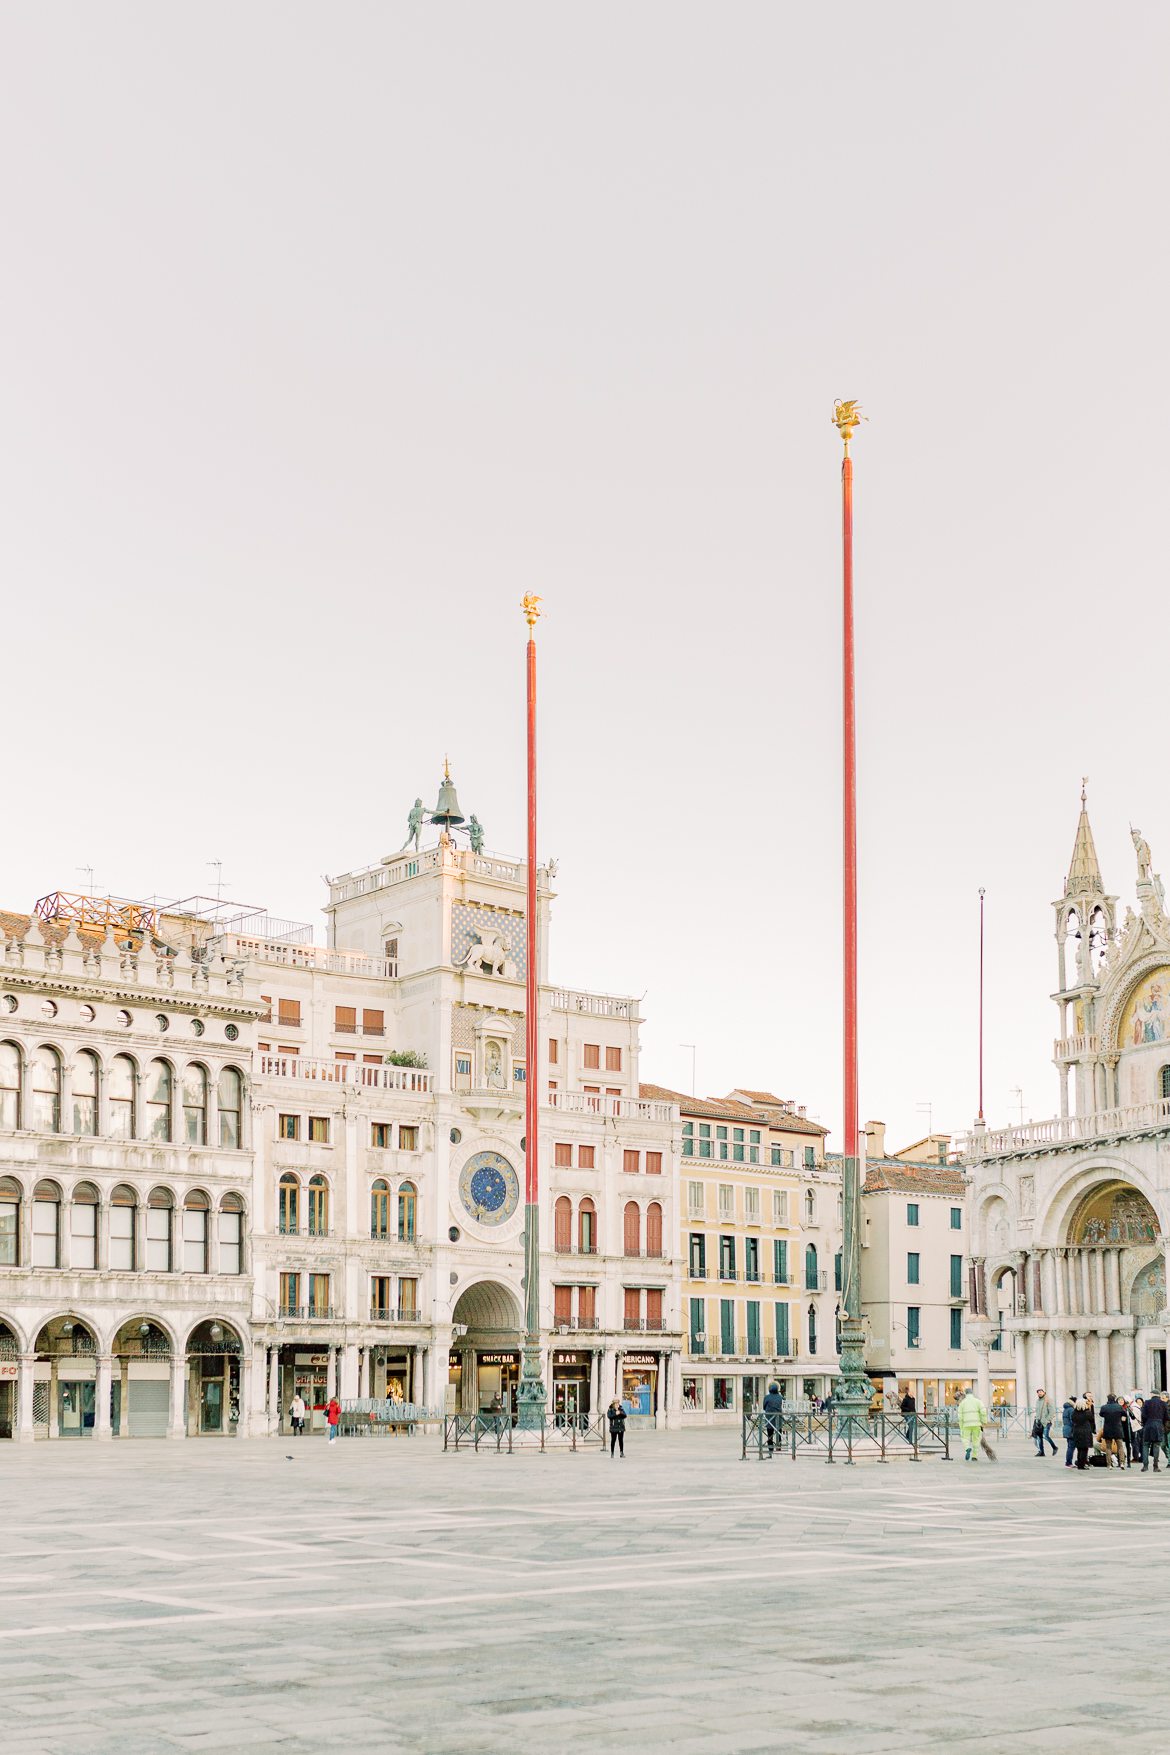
(530,1397)
(853,1391)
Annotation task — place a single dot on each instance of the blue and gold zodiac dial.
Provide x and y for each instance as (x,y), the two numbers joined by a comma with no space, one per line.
(489,1188)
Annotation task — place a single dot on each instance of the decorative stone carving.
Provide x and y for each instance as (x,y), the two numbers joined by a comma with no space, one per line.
(489,956)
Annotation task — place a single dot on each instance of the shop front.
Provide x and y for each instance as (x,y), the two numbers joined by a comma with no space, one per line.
(305,1373)
(141,1381)
(65,1380)
(9,1374)
(497,1380)
(640,1387)
(214,1357)
(572,1379)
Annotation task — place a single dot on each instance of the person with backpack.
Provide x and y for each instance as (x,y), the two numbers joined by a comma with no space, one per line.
(1042,1420)
(1114,1436)
(1082,1431)
(773,1415)
(333,1415)
(1066,1431)
(1153,1429)
(616,1415)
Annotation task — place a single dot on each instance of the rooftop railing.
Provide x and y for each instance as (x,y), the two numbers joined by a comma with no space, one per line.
(1066,1130)
(411,1079)
(616,1108)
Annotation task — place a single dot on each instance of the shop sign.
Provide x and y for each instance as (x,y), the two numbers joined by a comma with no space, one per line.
(454,1361)
(568,1359)
(635,1359)
(498,1358)
(311,1358)
(9,1370)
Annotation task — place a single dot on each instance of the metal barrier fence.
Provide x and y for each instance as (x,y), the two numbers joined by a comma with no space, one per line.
(496,1434)
(846,1438)
(370,1418)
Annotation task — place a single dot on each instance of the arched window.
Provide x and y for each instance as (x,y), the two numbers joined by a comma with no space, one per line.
(231,1235)
(231,1095)
(85,1093)
(195,1210)
(632,1228)
(290,1204)
(157,1092)
(810,1206)
(9,1222)
(318,1207)
(380,1210)
(1164,1081)
(654,1228)
(123,1243)
(83,1215)
(195,1104)
(159,1208)
(563,1225)
(407,1206)
(9,1085)
(46,1225)
(812,1328)
(587,1227)
(811,1282)
(45,1085)
(120,1098)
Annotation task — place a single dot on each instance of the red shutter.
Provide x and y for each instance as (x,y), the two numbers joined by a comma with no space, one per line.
(632,1229)
(654,1163)
(587,1304)
(633,1307)
(653,1307)
(563,1224)
(562,1304)
(654,1229)
(630,1163)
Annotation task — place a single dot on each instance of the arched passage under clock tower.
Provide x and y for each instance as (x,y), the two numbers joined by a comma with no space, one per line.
(485,1357)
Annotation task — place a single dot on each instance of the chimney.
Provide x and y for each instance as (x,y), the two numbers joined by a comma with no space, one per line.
(875,1136)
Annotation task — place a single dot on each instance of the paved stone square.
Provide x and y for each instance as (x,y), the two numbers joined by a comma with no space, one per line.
(378,1595)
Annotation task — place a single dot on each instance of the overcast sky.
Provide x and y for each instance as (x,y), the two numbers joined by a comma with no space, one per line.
(327,332)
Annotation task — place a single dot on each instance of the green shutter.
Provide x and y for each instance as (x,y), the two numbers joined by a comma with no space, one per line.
(782,1328)
(727,1325)
(753,1325)
(780,1261)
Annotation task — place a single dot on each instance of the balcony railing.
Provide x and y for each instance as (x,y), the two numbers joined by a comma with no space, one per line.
(411,1079)
(1075,1047)
(697,1348)
(377,1314)
(643,1324)
(1062,1130)
(294,956)
(309,1312)
(594,1005)
(575,1248)
(408,865)
(578,1324)
(616,1108)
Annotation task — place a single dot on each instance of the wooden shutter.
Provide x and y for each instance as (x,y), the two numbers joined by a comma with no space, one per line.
(654,1229)
(563,1224)
(632,1229)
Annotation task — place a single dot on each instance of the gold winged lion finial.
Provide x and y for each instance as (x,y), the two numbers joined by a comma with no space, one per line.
(847,417)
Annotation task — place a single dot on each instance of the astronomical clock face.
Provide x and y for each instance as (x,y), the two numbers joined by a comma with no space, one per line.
(489,1188)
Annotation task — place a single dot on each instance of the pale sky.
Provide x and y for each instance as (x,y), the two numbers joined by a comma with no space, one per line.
(330,331)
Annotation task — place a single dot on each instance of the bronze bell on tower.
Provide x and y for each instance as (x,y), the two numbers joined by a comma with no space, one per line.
(447,813)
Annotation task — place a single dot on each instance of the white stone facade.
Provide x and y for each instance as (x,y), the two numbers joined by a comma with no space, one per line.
(1070,1216)
(381,1204)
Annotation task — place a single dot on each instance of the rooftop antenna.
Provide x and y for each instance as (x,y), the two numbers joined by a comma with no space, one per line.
(1018,1092)
(929,1107)
(218,864)
(89,870)
(691,1046)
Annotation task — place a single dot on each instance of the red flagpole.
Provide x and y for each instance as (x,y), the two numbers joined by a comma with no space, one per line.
(531,1396)
(849,887)
(981,895)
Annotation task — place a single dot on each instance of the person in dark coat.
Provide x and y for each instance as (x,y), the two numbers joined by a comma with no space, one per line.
(1153,1429)
(1082,1431)
(616,1415)
(909,1408)
(1114,1432)
(773,1413)
(1066,1414)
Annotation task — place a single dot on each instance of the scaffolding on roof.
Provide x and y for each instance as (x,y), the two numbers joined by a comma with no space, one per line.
(97,911)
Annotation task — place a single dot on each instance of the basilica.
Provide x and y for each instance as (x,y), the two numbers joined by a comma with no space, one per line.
(1069,1216)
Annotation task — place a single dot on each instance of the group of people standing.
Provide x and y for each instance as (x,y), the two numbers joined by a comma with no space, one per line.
(1125,1429)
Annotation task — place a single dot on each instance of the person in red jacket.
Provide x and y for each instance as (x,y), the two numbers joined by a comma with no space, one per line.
(333,1415)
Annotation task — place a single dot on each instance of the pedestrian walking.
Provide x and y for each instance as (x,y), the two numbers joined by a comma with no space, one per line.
(1133,1415)
(972,1420)
(1153,1429)
(1115,1432)
(616,1415)
(297,1411)
(333,1415)
(909,1408)
(1082,1431)
(773,1415)
(1066,1431)
(1042,1418)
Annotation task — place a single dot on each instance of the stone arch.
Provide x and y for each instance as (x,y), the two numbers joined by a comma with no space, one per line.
(1057,1212)
(488,1306)
(1114,1006)
(131,1325)
(17,1332)
(55,1335)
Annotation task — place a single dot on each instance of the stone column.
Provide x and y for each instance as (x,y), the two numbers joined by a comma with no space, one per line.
(1048,1282)
(24,1398)
(248,1377)
(983,1368)
(178,1425)
(1114,1282)
(349,1371)
(1080,1367)
(273,1390)
(103,1427)
(1059,1366)
(608,1374)
(331,1372)
(418,1375)
(1097,1261)
(124,1397)
(1086,1285)
(1104,1383)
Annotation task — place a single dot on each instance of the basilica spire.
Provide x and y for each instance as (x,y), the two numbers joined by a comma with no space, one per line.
(1084,874)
